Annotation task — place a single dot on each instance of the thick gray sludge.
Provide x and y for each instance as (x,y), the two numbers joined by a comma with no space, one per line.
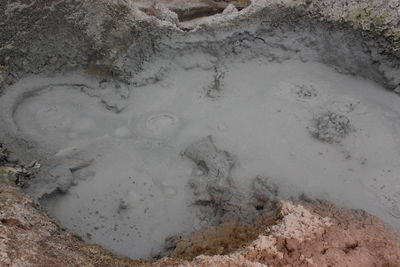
(212,125)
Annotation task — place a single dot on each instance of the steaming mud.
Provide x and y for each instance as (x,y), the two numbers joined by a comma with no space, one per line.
(131,164)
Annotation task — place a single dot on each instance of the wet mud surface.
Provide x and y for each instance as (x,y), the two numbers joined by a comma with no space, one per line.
(183,144)
(213,126)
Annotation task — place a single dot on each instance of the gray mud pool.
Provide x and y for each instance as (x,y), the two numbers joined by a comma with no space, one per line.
(130,164)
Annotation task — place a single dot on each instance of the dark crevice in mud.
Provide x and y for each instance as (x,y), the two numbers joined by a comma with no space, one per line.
(200,12)
(186,15)
(193,13)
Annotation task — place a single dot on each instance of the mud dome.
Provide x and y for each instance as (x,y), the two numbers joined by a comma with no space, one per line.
(279,113)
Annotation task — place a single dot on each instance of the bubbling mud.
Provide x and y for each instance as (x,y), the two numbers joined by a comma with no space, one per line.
(197,138)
